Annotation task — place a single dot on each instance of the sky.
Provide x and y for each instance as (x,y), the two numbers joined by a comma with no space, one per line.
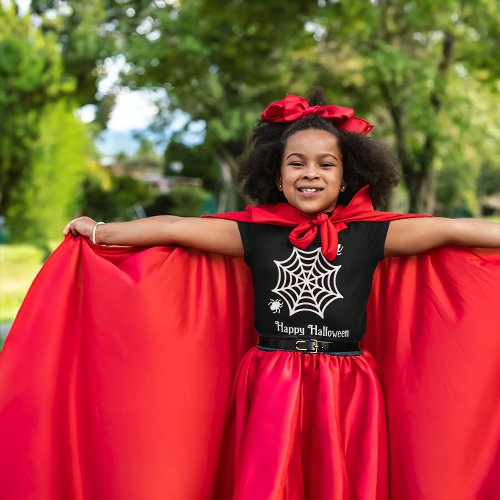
(134,111)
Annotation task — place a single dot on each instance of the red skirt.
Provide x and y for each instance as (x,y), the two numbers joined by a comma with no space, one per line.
(305,426)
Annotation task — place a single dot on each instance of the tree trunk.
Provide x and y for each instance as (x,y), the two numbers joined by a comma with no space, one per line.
(421,192)
(417,163)
(228,192)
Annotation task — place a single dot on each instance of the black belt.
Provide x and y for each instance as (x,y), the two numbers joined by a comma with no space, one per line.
(308,345)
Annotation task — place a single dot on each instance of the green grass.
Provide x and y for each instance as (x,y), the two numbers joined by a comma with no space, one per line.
(19,265)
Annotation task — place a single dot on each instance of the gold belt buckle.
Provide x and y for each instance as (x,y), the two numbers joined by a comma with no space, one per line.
(314,346)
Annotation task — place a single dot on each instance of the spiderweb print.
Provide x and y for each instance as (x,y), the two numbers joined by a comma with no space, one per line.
(307,282)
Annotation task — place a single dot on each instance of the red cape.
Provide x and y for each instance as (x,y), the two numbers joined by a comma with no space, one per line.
(116,376)
(307,226)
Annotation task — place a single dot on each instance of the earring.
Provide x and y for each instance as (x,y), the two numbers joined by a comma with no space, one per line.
(343,187)
(280,186)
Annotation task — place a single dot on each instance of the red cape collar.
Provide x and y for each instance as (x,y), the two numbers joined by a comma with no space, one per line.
(360,208)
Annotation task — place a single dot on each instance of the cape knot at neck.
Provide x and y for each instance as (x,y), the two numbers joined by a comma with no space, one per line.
(319,219)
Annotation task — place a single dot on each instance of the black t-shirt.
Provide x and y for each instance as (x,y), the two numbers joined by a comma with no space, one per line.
(300,294)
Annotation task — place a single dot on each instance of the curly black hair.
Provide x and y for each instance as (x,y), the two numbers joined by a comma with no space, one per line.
(365,161)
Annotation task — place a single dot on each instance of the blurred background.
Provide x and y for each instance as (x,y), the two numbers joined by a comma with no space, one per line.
(120,109)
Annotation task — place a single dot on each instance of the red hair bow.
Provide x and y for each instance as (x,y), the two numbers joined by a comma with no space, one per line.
(293,107)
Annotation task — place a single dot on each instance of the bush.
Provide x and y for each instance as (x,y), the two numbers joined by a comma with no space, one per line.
(115,202)
(183,200)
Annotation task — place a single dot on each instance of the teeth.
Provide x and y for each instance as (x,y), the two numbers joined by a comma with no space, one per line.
(308,190)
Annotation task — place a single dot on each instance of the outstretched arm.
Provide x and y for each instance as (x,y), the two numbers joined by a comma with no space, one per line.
(412,236)
(210,235)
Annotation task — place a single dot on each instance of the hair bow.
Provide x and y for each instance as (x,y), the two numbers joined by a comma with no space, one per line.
(294,107)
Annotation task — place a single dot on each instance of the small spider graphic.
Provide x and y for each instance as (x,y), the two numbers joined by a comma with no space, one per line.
(275,305)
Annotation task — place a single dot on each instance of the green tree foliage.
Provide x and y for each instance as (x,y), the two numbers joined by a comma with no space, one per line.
(424,72)
(85,33)
(418,65)
(219,62)
(59,158)
(30,78)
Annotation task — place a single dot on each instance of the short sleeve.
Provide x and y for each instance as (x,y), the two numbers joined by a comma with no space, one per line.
(247,239)
(376,233)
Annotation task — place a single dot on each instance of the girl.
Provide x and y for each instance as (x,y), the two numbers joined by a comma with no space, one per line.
(308,415)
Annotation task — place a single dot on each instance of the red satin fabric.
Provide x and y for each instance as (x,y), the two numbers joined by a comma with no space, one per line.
(305,427)
(360,208)
(434,329)
(116,380)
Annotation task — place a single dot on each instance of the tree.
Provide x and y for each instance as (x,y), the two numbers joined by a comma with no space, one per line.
(422,67)
(219,62)
(86,36)
(30,78)
(416,69)
(60,158)
(395,60)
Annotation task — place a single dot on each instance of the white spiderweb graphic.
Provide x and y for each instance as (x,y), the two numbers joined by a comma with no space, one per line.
(307,281)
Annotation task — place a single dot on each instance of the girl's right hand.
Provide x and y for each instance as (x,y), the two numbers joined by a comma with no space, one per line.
(81,225)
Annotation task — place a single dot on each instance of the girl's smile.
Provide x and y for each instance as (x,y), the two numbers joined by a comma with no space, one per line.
(311,171)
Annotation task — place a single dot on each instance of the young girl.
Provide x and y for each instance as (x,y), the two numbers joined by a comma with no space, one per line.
(307,417)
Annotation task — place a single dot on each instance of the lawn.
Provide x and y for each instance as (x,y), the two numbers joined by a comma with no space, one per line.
(19,265)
